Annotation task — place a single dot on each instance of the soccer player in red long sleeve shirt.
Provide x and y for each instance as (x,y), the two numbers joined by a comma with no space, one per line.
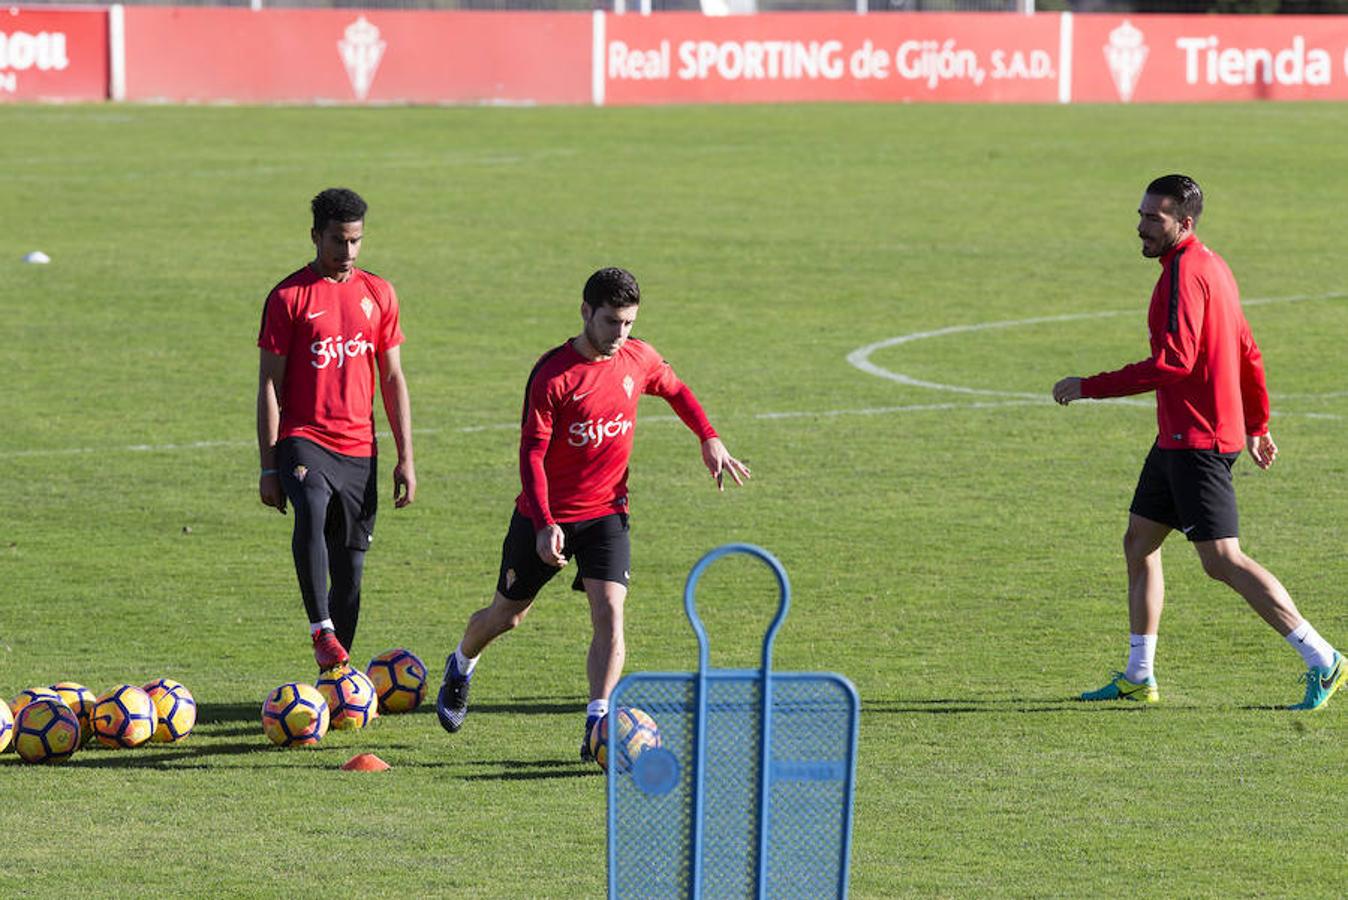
(580,413)
(1208,376)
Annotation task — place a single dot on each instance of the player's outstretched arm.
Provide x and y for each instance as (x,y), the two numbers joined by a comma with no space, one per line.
(714,454)
(719,462)
(1262,449)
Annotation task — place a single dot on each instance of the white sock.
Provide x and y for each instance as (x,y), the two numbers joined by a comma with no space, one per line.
(463,663)
(596,708)
(1141,656)
(316,627)
(1314,649)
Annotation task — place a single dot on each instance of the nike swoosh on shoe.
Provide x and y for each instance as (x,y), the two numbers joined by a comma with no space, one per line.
(1327,683)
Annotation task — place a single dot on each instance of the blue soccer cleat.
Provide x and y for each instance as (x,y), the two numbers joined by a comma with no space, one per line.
(1322,682)
(451,704)
(1123,689)
(586,754)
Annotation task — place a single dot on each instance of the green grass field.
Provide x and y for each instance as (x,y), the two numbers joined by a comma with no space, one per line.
(955,553)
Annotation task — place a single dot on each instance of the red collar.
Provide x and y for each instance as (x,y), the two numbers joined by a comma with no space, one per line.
(1184,244)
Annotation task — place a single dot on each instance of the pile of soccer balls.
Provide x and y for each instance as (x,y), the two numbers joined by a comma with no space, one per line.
(296,714)
(47,725)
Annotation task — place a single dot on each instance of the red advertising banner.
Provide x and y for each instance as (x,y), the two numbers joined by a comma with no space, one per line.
(53,54)
(356,56)
(1143,59)
(347,56)
(690,58)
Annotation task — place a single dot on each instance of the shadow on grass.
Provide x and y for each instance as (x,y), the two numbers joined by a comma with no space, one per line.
(210,713)
(210,730)
(186,758)
(197,754)
(516,769)
(188,755)
(966,705)
(228,713)
(180,757)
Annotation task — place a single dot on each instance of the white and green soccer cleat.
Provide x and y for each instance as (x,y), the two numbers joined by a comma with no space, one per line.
(1322,682)
(1123,689)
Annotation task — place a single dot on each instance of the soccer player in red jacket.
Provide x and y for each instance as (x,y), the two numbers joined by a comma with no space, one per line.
(580,416)
(1208,376)
(329,335)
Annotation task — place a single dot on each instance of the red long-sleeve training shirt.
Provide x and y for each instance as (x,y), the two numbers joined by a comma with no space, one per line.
(1205,367)
(579,423)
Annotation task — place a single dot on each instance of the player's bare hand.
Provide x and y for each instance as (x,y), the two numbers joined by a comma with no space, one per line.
(269,489)
(404,484)
(1262,449)
(719,461)
(1067,390)
(549,543)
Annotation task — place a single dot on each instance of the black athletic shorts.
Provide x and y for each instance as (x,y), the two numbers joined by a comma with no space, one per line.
(349,482)
(601,546)
(1189,490)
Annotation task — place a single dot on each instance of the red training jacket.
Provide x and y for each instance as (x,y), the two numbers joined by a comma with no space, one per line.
(1205,367)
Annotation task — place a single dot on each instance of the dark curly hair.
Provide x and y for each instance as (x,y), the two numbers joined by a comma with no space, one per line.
(612,287)
(337,205)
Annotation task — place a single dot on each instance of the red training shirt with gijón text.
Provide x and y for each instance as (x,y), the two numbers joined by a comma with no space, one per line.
(1205,367)
(580,419)
(330,334)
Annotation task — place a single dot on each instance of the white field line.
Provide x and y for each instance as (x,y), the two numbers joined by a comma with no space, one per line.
(859,358)
(949,406)
(514,426)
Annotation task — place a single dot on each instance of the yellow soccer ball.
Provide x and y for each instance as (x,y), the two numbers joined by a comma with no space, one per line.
(350,695)
(6,726)
(295,715)
(26,697)
(175,707)
(46,731)
(399,679)
(636,733)
(81,702)
(124,717)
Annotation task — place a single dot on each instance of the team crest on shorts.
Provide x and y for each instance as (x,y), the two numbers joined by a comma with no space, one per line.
(300,472)
(510,578)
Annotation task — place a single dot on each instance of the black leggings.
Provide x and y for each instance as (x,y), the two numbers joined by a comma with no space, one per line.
(334,507)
